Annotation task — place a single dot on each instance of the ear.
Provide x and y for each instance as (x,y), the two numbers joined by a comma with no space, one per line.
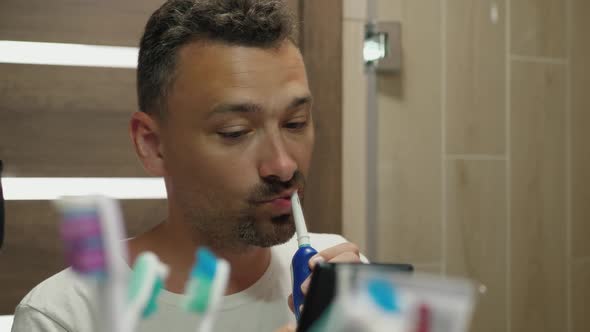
(145,134)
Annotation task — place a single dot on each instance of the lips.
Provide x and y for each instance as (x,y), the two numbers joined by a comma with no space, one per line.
(281,204)
(284,195)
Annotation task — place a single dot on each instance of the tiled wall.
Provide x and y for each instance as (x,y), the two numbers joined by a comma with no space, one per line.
(484,164)
(578,62)
(354,123)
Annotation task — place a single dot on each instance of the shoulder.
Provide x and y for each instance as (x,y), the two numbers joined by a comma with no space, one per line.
(29,319)
(62,300)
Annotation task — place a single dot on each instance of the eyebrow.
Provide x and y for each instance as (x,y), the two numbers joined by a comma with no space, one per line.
(254,108)
(300,101)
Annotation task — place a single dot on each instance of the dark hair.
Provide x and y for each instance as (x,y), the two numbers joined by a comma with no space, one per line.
(257,23)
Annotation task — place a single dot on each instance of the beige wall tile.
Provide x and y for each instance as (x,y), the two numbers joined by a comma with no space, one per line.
(433,268)
(477,235)
(409,143)
(355,9)
(354,134)
(476,56)
(538,189)
(390,10)
(538,28)
(580,135)
(385,187)
(580,296)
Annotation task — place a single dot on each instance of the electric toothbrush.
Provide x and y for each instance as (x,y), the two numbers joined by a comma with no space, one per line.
(300,264)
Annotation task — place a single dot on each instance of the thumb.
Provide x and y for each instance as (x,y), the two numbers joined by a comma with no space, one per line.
(287,328)
(291,303)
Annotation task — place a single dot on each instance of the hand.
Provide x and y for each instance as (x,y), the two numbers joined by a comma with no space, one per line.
(343,253)
(287,328)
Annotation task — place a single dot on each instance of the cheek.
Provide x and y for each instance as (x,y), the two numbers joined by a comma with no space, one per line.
(306,163)
(305,152)
(199,167)
(214,184)
(229,174)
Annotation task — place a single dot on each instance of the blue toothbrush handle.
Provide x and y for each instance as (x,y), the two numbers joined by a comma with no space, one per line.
(300,271)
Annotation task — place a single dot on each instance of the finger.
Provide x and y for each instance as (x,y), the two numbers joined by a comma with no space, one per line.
(316,260)
(330,253)
(287,328)
(346,257)
(305,285)
(290,303)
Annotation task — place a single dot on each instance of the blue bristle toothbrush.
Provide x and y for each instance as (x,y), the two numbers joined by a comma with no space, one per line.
(205,287)
(300,264)
(92,232)
(145,284)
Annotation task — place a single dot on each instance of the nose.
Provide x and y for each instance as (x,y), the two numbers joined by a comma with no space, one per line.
(276,161)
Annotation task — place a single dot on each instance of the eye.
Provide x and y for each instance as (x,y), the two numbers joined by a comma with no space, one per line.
(296,125)
(233,134)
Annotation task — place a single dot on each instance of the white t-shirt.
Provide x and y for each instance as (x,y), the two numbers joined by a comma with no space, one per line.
(66,303)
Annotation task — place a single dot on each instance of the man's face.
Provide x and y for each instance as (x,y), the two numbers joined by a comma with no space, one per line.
(237,141)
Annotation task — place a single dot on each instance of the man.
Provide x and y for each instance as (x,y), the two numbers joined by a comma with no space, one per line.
(226,120)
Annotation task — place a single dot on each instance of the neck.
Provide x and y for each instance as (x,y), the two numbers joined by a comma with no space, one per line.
(175,244)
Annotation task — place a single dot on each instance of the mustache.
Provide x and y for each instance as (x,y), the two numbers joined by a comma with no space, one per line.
(273,186)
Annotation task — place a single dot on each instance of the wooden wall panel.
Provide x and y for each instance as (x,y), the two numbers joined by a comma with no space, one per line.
(54,144)
(66,121)
(33,252)
(66,89)
(102,22)
(322,51)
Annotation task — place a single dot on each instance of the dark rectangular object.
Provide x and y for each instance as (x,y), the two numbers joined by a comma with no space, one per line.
(1,209)
(323,288)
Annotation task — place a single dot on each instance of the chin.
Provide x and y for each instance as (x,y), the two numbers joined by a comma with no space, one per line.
(266,232)
(277,230)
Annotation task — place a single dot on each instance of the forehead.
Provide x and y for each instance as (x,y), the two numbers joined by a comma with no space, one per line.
(211,72)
